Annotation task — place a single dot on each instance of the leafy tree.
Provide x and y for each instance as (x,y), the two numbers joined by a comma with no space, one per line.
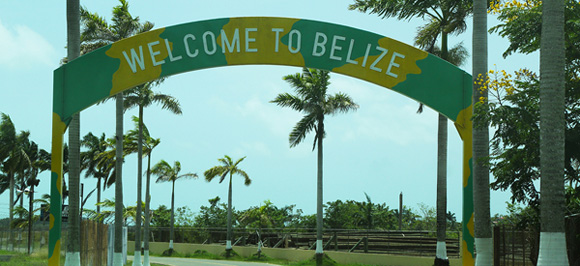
(161,217)
(558,63)
(312,98)
(168,173)
(514,103)
(213,216)
(230,168)
(343,215)
(514,113)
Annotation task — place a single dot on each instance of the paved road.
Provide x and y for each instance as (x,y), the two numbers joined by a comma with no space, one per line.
(199,262)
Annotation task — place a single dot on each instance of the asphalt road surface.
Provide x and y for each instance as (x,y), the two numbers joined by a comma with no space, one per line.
(199,262)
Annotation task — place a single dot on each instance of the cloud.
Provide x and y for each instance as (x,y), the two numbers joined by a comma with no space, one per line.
(384,115)
(22,47)
(278,120)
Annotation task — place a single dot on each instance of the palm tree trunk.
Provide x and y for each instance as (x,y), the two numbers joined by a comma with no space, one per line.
(118,247)
(137,256)
(319,190)
(147,215)
(99,195)
(73,51)
(229,229)
(171,233)
(482,219)
(552,135)
(22,188)
(11,214)
(30,214)
(73,239)
(441,254)
(441,190)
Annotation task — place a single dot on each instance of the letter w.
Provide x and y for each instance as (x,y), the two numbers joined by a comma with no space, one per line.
(134,58)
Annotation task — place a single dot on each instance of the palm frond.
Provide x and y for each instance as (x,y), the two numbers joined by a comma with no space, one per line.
(289,100)
(247,180)
(211,173)
(168,103)
(303,127)
(339,103)
(427,35)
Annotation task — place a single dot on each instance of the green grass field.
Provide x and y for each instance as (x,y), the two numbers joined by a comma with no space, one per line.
(8,258)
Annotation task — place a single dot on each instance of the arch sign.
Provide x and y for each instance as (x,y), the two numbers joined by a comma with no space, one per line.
(266,41)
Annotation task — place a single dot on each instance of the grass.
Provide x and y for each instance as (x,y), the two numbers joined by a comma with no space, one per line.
(19,259)
(202,254)
(41,259)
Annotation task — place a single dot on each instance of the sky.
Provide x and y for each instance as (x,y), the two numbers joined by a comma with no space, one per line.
(383,149)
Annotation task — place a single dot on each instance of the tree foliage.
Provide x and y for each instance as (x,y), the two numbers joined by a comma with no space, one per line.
(514,108)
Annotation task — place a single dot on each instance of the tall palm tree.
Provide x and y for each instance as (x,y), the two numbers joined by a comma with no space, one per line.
(73,51)
(552,130)
(167,173)
(143,96)
(149,144)
(13,158)
(228,167)
(482,216)
(445,17)
(311,87)
(97,33)
(39,162)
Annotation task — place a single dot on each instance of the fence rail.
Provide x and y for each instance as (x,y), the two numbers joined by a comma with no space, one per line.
(417,243)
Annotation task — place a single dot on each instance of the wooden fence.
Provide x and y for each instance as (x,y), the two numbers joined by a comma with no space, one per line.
(94,243)
(414,243)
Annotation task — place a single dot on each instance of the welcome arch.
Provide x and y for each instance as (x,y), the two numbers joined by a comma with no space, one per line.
(260,40)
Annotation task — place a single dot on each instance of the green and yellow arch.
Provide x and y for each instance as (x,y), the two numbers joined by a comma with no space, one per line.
(266,41)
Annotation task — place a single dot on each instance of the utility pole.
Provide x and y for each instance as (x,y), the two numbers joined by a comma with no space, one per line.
(401,211)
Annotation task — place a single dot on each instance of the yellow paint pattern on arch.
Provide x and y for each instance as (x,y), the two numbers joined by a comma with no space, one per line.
(259,46)
(55,258)
(407,65)
(58,129)
(467,257)
(124,77)
(464,126)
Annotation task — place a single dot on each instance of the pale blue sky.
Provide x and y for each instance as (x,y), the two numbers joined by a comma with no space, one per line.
(382,149)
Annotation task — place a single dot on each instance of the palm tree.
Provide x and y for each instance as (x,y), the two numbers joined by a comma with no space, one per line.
(39,161)
(311,87)
(552,129)
(166,173)
(149,143)
(73,51)
(446,17)
(143,96)
(97,33)
(14,160)
(89,163)
(482,216)
(230,168)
